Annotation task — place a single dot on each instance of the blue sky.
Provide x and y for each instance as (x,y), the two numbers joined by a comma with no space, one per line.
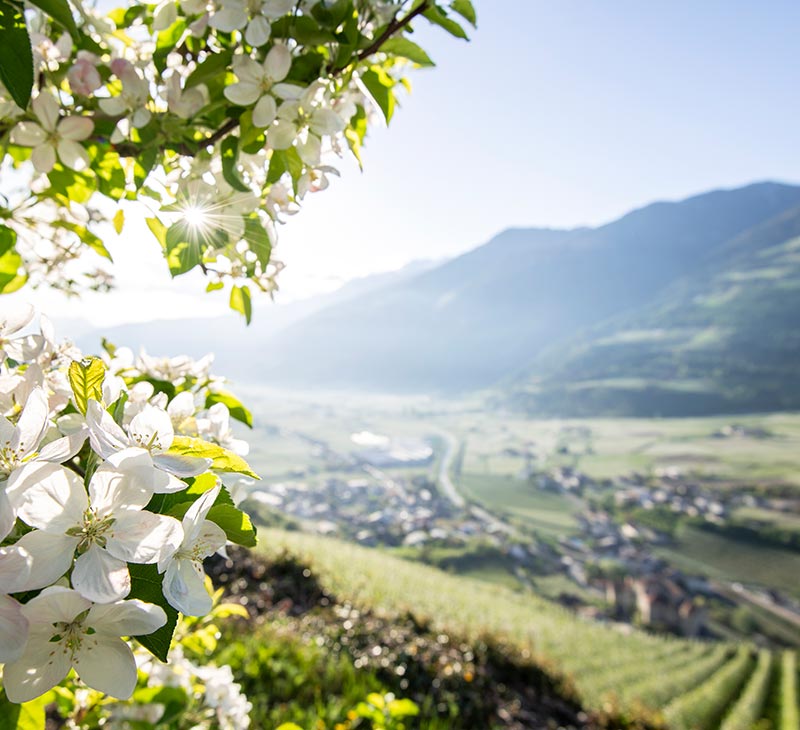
(556,114)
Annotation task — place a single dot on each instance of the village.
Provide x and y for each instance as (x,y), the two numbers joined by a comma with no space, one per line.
(388,493)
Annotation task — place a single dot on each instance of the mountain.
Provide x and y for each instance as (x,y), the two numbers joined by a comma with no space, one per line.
(724,338)
(517,309)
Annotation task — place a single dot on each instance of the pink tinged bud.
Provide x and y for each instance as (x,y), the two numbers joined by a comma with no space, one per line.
(84,77)
(120,66)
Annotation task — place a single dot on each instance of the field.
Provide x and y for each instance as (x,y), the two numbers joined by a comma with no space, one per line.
(622,673)
(607,448)
(725,559)
(523,504)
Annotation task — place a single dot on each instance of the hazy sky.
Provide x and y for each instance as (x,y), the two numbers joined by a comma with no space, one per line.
(556,114)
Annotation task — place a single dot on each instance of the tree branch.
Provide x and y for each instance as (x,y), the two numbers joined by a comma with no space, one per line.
(188,150)
(394,26)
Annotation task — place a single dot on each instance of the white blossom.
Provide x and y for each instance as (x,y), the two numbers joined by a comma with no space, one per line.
(53,137)
(66,630)
(184,578)
(108,529)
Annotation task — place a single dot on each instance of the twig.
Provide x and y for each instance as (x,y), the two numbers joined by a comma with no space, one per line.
(394,26)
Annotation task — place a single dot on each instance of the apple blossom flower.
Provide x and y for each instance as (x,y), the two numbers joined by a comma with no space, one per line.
(216,427)
(184,578)
(49,54)
(256,81)
(66,630)
(254,14)
(108,528)
(20,446)
(151,432)
(53,137)
(307,122)
(181,411)
(165,14)
(185,103)
(131,102)
(12,321)
(83,76)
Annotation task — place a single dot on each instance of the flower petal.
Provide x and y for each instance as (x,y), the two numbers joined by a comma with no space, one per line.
(105,436)
(43,157)
(143,537)
(63,449)
(75,128)
(243,93)
(73,155)
(40,668)
(151,429)
(281,135)
(15,568)
(47,109)
(126,618)
(265,111)
(53,605)
(100,577)
(8,515)
(181,466)
(113,106)
(197,513)
(13,630)
(184,587)
(258,31)
(276,8)
(32,423)
(231,17)
(287,91)
(28,134)
(14,317)
(51,557)
(278,62)
(125,483)
(106,663)
(49,497)
(326,122)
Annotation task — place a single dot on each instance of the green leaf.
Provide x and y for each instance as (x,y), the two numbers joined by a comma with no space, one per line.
(166,42)
(221,458)
(407,49)
(210,68)
(240,302)
(11,275)
(214,286)
(230,158)
(380,84)
(16,56)
(158,229)
(86,378)
(182,249)
(466,10)
(437,16)
(59,11)
(235,406)
(8,239)
(236,524)
(146,586)
(119,221)
(27,716)
(173,699)
(258,237)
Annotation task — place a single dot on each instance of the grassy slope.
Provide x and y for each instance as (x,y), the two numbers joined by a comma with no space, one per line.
(529,626)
